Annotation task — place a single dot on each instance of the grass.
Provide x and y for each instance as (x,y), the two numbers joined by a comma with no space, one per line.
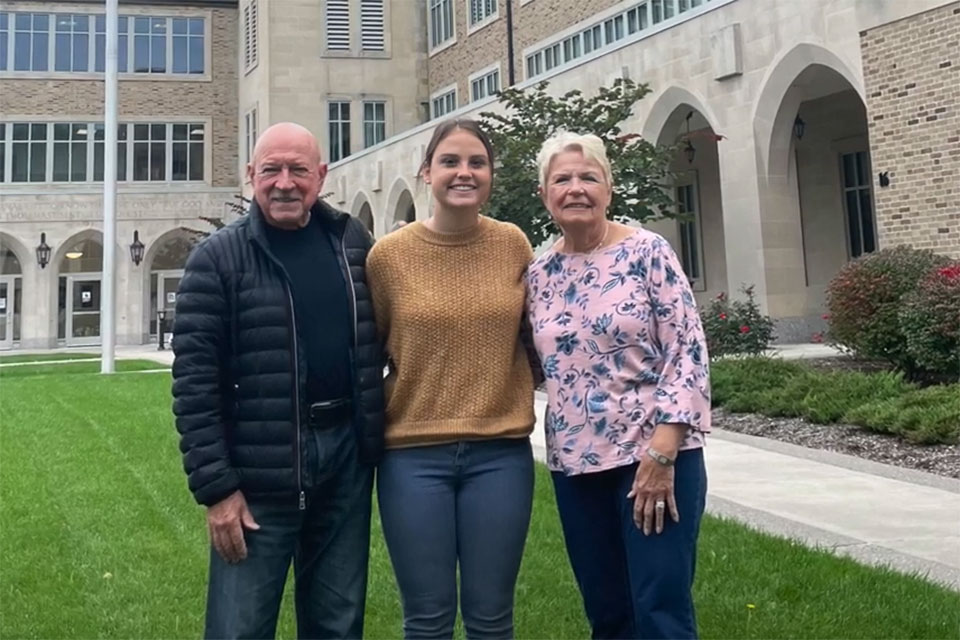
(67,368)
(878,401)
(44,357)
(100,538)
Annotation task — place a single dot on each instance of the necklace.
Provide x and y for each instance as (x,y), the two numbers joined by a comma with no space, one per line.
(606,230)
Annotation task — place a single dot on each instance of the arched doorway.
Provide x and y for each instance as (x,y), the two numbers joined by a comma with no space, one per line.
(78,299)
(697,235)
(11,295)
(366,216)
(167,257)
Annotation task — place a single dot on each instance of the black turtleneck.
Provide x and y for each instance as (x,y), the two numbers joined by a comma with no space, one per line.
(321,303)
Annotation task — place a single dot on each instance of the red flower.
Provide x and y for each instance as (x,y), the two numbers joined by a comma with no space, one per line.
(723,316)
(825,316)
(816,338)
(721,295)
(951,272)
(744,329)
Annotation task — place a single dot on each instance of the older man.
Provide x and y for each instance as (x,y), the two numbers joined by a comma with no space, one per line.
(278,399)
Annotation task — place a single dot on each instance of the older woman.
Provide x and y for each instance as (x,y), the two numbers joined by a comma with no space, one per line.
(622,347)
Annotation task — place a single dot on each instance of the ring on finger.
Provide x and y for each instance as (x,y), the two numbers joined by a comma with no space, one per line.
(659,505)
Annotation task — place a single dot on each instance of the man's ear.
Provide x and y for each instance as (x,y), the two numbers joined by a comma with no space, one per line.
(250,173)
(322,172)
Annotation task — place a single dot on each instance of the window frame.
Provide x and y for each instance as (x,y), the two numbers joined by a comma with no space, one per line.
(691,230)
(344,126)
(375,122)
(859,188)
(485,19)
(435,46)
(483,76)
(443,94)
(127,42)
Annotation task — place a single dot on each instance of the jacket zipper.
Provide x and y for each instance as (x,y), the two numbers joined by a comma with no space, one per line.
(353,293)
(296,396)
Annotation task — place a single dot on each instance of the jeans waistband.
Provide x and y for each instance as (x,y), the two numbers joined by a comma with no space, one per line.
(327,414)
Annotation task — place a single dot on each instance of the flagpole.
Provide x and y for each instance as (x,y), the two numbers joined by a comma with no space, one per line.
(108,312)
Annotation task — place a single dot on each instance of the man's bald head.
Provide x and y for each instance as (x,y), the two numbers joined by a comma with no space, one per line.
(287,174)
(287,135)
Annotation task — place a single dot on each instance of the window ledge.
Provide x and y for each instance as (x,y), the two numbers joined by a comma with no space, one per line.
(446,44)
(71,75)
(486,22)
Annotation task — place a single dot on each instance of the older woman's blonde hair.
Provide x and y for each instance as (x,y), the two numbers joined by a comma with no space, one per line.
(588,144)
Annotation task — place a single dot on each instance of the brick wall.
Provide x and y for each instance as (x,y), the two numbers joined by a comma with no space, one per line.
(216,99)
(912,79)
(532,22)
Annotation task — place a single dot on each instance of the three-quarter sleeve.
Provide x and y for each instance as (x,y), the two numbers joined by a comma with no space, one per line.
(683,388)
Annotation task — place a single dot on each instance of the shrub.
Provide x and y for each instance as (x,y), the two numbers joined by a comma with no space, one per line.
(930,321)
(926,416)
(731,378)
(736,326)
(864,300)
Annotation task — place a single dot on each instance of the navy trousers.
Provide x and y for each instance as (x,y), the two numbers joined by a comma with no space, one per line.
(633,586)
(328,542)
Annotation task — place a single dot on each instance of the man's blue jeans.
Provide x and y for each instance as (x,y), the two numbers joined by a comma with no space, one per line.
(468,502)
(328,542)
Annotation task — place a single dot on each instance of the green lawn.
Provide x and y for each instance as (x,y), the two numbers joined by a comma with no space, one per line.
(100,538)
(6,358)
(66,368)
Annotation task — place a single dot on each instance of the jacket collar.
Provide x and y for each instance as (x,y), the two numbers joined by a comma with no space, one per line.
(336,220)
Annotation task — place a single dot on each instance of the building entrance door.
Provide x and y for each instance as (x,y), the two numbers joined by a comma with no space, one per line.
(83,309)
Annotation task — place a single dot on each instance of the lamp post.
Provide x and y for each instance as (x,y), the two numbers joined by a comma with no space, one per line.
(136,249)
(43,251)
(161,316)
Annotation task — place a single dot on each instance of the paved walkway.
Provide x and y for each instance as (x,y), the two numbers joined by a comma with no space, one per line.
(876,513)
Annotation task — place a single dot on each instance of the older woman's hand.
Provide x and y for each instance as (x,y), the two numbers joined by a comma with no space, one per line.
(653,486)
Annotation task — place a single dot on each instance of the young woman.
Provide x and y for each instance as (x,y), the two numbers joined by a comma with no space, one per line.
(456,483)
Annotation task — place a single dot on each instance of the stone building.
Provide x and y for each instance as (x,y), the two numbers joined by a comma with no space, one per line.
(177,160)
(839,123)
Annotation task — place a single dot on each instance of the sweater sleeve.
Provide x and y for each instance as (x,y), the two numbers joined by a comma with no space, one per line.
(378,274)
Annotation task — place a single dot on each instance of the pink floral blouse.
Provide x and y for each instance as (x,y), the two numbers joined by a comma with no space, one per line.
(622,348)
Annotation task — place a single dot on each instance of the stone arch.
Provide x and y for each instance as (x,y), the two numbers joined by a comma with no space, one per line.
(85,234)
(665,113)
(361,209)
(154,246)
(18,249)
(400,203)
(780,97)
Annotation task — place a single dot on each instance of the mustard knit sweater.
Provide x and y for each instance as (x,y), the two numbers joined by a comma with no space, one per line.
(449,308)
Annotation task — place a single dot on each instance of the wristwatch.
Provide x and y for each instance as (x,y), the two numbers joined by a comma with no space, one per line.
(659,457)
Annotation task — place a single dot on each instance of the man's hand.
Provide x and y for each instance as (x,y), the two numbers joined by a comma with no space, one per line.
(226,521)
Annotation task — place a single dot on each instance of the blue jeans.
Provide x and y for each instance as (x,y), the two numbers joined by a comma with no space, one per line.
(633,586)
(328,543)
(468,502)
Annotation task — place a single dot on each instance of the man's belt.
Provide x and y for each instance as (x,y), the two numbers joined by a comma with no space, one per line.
(328,414)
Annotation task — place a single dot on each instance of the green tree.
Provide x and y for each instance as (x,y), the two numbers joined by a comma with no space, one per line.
(640,168)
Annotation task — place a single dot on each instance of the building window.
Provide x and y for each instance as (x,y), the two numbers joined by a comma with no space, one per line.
(441,22)
(613,29)
(858,202)
(338,25)
(371,25)
(444,103)
(3,152)
(485,85)
(28,152)
(250,122)
(481,10)
(31,40)
(4,39)
(100,45)
(160,152)
(158,45)
(339,119)
(72,44)
(251,26)
(551,57)
(99,135)
(70,152)
(691,254)
(592,39)
(187,154)
(149,45)
(535,64)
(374,123)
(149,152)
(187,45)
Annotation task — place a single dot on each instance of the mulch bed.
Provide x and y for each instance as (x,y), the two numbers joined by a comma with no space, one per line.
(941,459)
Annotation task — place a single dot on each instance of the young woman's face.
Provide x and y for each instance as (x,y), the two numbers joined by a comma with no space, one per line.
(460,174)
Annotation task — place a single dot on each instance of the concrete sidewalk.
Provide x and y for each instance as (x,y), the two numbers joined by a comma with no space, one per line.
(873,512)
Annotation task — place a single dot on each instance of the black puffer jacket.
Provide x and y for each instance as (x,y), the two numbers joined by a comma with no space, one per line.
(238,394)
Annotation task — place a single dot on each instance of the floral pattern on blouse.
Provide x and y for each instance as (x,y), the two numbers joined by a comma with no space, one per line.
(622,348)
